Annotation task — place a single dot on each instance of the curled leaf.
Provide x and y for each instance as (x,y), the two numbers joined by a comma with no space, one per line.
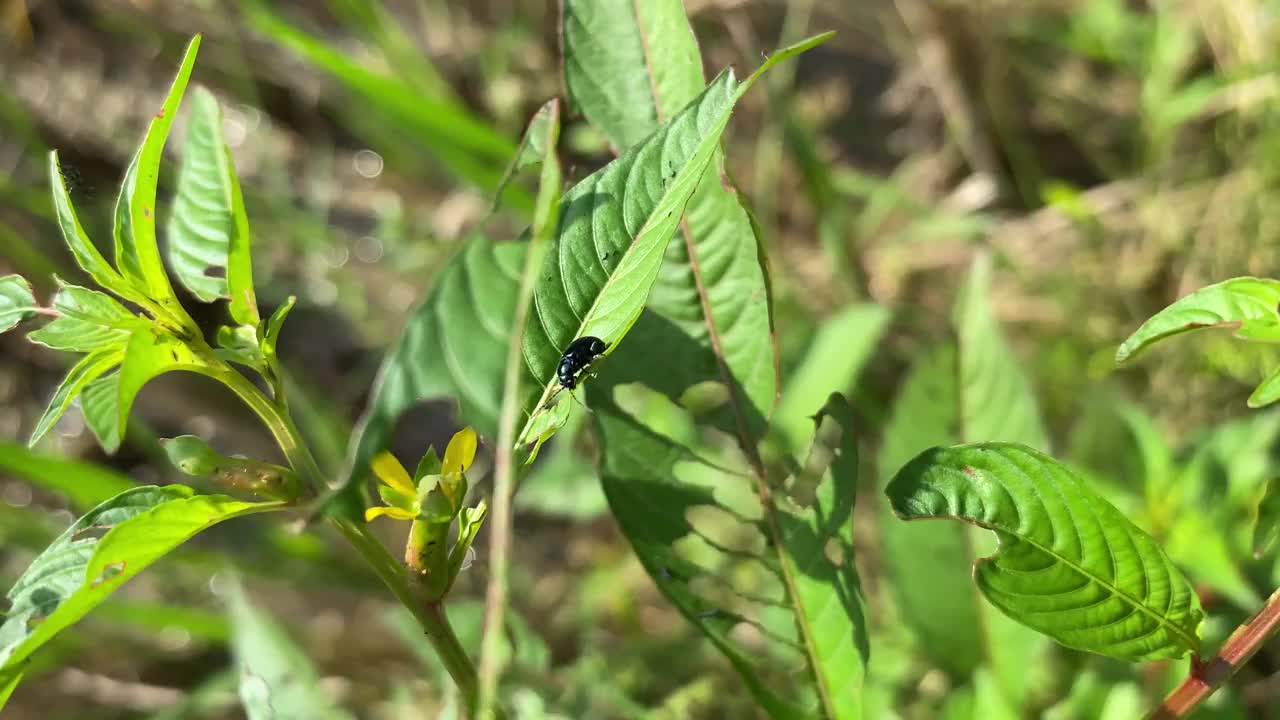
(1070,565)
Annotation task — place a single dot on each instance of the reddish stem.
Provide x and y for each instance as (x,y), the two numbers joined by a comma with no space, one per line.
(1206,677)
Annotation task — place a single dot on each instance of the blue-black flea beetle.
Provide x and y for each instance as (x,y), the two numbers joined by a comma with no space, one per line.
(577,357)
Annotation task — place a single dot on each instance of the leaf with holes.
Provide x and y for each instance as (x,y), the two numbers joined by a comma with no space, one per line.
(97,554)
(208,229)
(277,680)
(1069,564)
(1247,304)
(735,568)
(88,321)
(840,348)
(137,253)
(16,301)
(615,226)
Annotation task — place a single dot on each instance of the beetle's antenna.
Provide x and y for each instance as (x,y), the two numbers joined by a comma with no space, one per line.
(580,403)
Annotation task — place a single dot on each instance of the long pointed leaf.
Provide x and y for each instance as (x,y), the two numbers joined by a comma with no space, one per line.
(1249,304)
(277,680)
(88,369)
(84,566)
(137,254)
(82,248)
(85,484)
(615,226)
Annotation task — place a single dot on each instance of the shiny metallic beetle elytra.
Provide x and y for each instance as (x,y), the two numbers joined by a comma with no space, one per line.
(577,357)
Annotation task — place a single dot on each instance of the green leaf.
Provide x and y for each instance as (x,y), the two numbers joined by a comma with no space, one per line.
(1266,526)
(927,562)
(99,553)
(841,346)
(148,355)
(137,254)
(1267,392)
(1069,564)
(83,249)
(244,302)
(200,225)
(1160,482)
(276,679)
(615,226)
(826,587)
(209,241)
(1248,304)
(453,345)
(8,683)
(631,67)
(100,403)
(695,531)
(88,321)
(533,147)
(270,335)
(628,65)
(240,345)
(997,402)
(973,392)
(84,484)
(88,369)
(193,456)
(464,144)
(17,303)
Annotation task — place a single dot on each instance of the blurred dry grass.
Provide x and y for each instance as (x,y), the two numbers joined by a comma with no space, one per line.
(1115,155)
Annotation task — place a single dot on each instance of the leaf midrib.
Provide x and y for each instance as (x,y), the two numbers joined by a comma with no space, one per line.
(1191,643)
(653,217)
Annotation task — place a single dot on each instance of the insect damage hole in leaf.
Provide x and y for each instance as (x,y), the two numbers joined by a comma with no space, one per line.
(109,571)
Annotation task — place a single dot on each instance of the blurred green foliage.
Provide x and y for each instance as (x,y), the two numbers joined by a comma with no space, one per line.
(1109,157)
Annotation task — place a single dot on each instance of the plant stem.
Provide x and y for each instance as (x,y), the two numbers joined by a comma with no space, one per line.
(546,213)
(1206,677)
(280,424)
(430,615)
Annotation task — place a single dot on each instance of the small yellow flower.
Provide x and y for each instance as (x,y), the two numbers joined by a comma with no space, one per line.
(460,453)
(401,494)
(396,489)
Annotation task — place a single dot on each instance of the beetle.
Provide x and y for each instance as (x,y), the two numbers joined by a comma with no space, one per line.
(577,357)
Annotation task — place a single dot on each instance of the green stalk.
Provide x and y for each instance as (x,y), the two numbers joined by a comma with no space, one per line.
(429,614)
